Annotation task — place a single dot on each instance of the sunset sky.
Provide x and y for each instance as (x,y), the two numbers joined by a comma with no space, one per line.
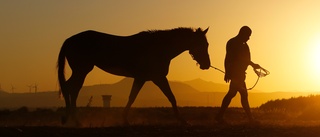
(285,38)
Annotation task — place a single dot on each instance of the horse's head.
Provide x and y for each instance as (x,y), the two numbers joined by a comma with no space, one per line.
(199,48)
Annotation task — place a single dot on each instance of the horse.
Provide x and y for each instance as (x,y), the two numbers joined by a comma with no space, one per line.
(144,56)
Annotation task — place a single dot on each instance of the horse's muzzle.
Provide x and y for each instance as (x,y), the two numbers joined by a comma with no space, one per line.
(204,67)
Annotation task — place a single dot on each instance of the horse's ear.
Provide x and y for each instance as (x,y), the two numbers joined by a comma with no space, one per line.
(199,30)
(205,31)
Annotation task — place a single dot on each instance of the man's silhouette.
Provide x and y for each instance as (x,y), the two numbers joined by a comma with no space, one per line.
(236,62)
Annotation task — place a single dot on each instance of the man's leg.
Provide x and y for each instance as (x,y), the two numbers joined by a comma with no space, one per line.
(226,101)
(244,99)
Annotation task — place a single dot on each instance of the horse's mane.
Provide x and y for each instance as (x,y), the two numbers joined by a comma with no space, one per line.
(180,30)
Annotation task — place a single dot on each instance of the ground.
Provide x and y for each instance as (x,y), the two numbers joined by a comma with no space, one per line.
(156,122)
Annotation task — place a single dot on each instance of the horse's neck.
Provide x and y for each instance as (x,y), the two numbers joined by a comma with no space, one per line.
(171,46)
(175,50)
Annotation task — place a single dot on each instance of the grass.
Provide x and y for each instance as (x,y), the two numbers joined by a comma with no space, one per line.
(108,117)
(157,122)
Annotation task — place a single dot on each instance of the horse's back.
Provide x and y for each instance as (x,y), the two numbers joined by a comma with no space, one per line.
(114,54)
(93,42)
(91,37)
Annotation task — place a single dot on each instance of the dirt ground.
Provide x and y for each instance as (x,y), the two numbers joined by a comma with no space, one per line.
(163,131)
(157,122)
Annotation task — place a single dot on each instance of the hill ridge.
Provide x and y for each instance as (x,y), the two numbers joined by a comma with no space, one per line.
(187,93)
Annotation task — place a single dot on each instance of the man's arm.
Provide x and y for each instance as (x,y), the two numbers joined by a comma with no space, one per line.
(255,66)
(228,62)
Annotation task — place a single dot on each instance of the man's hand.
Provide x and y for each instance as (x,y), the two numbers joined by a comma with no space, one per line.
(256,66)
(227,77)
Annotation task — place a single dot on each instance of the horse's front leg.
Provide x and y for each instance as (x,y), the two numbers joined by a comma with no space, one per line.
(163,84)
(137,85)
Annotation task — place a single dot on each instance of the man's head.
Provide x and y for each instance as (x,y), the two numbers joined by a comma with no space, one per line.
(244,33)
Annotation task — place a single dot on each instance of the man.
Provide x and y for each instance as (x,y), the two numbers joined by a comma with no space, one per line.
(236,62)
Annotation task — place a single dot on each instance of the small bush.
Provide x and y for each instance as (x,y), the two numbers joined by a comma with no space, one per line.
(23,109)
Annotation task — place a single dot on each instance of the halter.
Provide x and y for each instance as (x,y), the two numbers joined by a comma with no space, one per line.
(261,73)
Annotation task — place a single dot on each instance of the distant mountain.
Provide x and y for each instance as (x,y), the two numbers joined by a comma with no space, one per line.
(190,93)
(3,92)
(207,86)
(32,100)
(150,95)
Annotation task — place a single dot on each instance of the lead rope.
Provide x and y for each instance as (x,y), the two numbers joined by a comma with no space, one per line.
(259,73)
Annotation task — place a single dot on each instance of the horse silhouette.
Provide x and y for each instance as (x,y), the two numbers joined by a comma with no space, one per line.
(144,56)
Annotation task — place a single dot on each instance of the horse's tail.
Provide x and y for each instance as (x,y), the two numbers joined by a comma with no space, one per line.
(61,68)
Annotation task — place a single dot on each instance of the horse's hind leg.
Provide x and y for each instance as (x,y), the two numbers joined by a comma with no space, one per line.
(163,84)
(66,96)
(136,86)
(74,84)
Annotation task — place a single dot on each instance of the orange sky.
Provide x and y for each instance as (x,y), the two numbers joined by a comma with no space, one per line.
(285,38)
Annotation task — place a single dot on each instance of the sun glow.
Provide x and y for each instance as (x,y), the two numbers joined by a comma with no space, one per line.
(314,57)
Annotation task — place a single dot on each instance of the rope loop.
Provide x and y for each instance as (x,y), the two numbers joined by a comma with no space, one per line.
(261,72)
